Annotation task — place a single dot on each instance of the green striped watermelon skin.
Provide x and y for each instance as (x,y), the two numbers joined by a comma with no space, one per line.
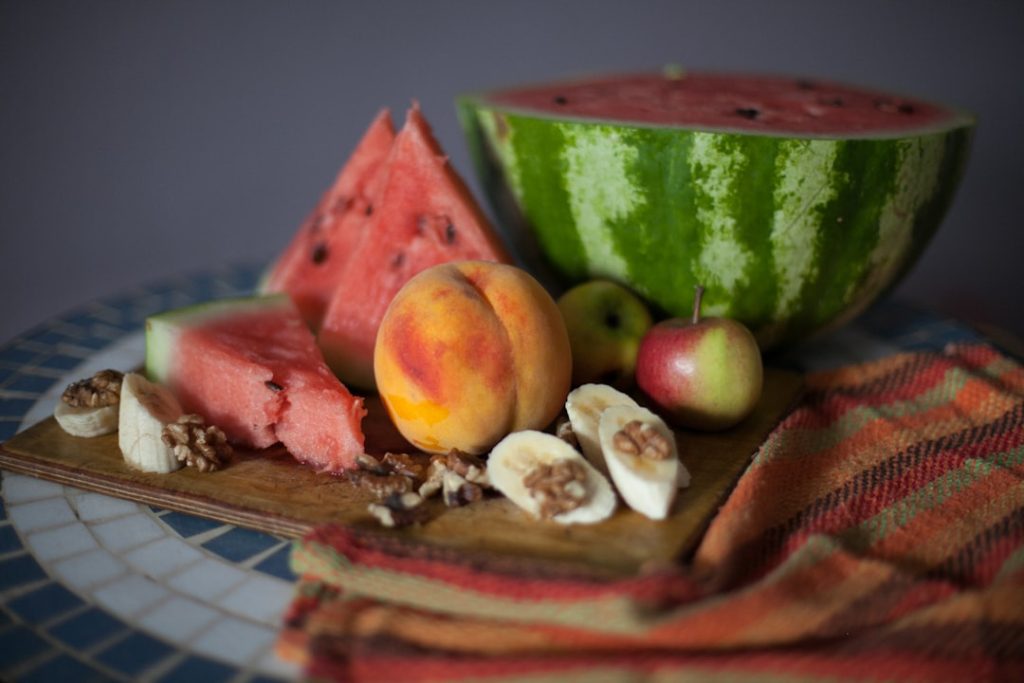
(790,235)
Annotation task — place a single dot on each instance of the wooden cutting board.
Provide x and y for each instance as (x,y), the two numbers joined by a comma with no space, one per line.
(271,492)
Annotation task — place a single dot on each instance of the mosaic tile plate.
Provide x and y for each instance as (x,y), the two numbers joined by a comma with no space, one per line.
(96,588)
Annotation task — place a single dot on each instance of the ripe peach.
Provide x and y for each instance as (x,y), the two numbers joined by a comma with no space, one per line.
(469,352)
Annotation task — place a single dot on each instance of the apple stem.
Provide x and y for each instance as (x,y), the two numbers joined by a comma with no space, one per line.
(698,294)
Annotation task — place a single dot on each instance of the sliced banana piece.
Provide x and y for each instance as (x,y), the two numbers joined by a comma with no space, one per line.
(584,406)
(145,409)
(87,421)
(640,450)
(89,407)
(549,479)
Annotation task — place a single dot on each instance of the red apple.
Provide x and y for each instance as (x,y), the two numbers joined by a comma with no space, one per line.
(703,373)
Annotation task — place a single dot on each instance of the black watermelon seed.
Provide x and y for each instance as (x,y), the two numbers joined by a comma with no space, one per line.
(273,386)
(832,101)
(398,259)
(449,233)
(907,109)
(319,253)
(369,209)
(748,112)
(560,99)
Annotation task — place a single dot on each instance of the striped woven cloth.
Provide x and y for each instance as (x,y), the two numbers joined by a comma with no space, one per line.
(877,535)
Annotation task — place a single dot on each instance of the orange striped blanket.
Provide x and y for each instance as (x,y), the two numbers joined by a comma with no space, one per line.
(877,535)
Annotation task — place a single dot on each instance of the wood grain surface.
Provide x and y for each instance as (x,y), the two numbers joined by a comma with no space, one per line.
(271,492)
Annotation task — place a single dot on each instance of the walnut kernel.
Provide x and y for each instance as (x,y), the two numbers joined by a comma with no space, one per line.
(457,491)
(197,444)
(558,487)
(380,486)
(394,473)
(399,510)
(637,438)
(470,467)
(102,389)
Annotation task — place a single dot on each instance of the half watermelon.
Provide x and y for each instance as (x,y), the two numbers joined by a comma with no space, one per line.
(311,265)
(252,367)
(796,202)
(424,215)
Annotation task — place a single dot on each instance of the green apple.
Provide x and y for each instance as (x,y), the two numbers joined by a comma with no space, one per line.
(703,373)
(606,322)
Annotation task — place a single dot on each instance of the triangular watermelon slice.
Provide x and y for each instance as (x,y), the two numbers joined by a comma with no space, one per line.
(424,216)
(252,367)
(312,264)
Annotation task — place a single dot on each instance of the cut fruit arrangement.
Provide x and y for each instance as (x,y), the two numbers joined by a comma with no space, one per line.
(398,283)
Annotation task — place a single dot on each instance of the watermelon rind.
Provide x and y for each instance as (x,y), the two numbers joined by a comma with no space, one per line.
(791,234)
(162,329)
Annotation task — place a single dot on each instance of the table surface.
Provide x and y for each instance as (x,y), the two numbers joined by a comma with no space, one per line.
(96,588)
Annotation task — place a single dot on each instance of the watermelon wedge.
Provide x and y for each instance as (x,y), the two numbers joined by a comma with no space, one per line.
(311,265)
(424,215)
(796,202)
(251,366)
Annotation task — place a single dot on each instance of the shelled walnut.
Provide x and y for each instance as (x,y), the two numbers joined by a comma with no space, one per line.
(460,477)
(197,444)
(102,389)
(468,466)
(380,486)
(557,487)
(458,491)
(400,510)
(636,438)
(395,473)
(414,467)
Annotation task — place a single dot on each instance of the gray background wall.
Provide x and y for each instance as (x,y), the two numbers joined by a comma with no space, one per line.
(143,139)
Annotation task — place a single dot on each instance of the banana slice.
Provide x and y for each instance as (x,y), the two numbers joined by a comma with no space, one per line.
(683,480)
(549,479)
(89,407)
(87,421)
(584,406)
(145,409)
(640,450)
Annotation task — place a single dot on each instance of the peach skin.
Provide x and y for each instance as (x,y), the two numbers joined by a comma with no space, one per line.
(469,352)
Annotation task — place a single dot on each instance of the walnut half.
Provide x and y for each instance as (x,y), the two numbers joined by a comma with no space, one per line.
(395,473)
(637,438)
(460,477)
(558,487)
(400,510)
(102,389)
(197,444)
(456,491)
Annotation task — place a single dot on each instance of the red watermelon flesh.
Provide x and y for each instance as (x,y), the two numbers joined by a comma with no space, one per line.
(252,367)
(309,268)
(774,104)
(425,216)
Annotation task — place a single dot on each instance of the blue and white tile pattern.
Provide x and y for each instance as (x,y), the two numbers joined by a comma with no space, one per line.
(95,588)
